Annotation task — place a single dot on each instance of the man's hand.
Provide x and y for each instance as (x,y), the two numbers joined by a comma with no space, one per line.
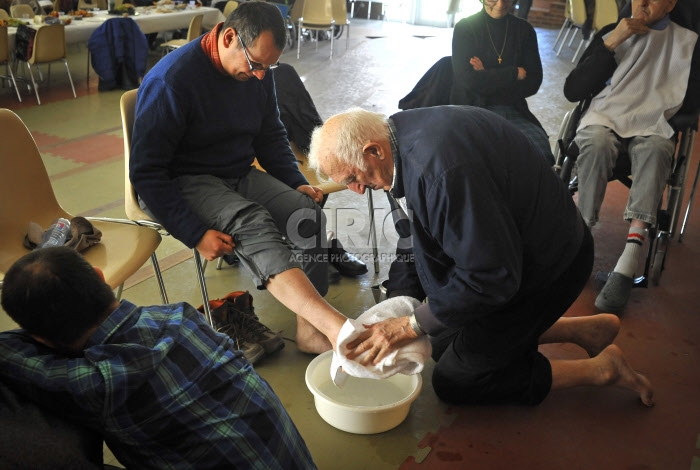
(626,28)
(476,63)
(380,339)
(214,244)
(311,191)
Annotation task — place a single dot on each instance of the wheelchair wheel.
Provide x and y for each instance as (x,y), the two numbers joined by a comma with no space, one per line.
(659,258)
(559,148)
(338,31)
(567,167)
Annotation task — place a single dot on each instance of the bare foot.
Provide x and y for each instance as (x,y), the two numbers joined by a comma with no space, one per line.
(615,371)
(310,340)
(598,333)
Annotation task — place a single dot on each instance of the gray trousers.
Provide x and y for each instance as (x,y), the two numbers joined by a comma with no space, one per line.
(274,227)
(651,158)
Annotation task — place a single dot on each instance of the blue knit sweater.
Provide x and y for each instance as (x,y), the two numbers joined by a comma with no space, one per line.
(192,120)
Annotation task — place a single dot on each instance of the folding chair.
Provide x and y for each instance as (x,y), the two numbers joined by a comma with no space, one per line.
(28,197)
(131,203)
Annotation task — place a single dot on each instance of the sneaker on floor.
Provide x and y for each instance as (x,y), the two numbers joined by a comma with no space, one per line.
(615,293)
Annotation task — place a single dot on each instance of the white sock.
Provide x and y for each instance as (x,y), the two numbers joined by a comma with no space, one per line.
(627,264)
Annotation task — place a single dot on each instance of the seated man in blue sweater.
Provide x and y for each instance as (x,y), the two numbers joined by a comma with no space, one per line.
(203,114)
(158,384)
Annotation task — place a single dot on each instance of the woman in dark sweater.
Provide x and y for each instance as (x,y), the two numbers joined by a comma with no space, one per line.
(497,65)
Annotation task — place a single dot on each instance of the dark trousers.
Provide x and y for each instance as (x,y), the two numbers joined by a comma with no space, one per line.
(494,360)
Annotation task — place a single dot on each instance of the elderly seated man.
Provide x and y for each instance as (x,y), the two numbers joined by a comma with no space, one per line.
(638,72)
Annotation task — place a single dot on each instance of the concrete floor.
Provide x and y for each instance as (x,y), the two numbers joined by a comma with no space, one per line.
(81,142)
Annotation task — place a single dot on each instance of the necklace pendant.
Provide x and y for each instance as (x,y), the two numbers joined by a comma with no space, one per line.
(500,60)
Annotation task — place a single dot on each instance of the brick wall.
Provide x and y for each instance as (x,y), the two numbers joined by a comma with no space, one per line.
(547,13)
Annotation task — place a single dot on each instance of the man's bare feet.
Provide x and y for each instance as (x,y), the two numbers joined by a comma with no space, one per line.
(597,333)
(310,340)
(614,370)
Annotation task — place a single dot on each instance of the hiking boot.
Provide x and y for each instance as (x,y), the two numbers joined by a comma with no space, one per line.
(250,325)
(221,318)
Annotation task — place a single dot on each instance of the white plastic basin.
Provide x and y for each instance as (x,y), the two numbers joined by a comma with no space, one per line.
(361,406)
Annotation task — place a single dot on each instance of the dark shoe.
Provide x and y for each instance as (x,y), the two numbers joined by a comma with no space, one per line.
(344,262)
(236,317)
(333,275)
(615,293)
(252,328)
(231,259)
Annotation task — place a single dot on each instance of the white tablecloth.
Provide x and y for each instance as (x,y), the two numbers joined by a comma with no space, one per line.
(149,21)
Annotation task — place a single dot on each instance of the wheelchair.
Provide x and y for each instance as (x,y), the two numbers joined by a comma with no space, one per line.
(670,206)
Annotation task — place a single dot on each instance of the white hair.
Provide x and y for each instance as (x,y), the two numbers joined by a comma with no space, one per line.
(343,148)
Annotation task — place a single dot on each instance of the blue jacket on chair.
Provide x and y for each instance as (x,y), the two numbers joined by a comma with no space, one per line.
(119,51)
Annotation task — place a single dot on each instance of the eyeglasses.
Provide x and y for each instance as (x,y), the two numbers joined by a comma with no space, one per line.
(257,67)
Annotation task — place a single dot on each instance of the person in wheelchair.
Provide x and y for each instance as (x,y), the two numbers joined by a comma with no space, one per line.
(636,74)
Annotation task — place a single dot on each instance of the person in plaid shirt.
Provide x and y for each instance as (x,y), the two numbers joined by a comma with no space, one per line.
(158,383)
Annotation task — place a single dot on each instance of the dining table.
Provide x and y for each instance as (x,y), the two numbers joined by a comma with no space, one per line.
(152,19)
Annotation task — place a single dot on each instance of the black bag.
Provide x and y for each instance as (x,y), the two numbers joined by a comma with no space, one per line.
(24,42)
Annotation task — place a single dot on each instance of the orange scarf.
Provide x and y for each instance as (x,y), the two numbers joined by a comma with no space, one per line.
(210,45)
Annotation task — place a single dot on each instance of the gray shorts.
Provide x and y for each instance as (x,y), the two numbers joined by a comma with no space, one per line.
(274,227)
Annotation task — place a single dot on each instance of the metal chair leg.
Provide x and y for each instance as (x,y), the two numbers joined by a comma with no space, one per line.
(372,231)
(34,84)
(8,70)
(561,31)
(202,285)
(70,78)
(159,278)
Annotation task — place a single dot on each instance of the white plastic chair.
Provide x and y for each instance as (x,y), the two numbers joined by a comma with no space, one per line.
(49,46)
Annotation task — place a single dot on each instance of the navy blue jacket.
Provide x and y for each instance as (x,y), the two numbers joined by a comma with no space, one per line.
(118,43)
(491,220)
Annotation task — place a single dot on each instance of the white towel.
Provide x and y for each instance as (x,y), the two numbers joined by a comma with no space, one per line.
(406,360)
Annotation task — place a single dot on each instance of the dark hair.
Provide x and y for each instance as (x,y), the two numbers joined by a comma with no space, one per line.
(250,19)
(55,293)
